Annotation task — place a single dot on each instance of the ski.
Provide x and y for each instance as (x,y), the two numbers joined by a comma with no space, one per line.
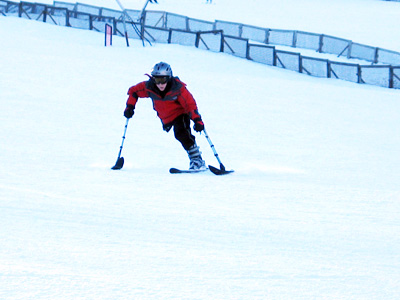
(180,171)
(214,170)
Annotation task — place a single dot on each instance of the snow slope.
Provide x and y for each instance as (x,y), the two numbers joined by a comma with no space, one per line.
(311,212)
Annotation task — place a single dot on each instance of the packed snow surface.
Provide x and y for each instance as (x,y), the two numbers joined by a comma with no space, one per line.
(312,210)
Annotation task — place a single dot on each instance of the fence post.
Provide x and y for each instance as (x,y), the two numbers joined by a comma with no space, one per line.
(349,51)
(90,22)
(221,49)
(267,33)
(67,19)
(391,75)
(294,42)
(321,43)
(376,58)
(20,10)
(143,23)
(329,70)
(169,35)
(196,44)
(301,64)
(114,26)
(45,12)
(359,74)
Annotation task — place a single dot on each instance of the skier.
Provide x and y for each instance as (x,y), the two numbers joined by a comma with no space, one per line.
(175,106)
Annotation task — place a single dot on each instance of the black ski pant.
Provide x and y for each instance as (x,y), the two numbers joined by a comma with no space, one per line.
(182,131)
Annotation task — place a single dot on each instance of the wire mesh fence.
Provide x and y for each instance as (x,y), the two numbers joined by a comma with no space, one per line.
(254,43)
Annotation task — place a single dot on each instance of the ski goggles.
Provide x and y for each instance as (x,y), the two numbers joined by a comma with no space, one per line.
(161,80)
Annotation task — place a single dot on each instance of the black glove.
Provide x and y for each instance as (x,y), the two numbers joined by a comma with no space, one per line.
(198,125)
(129,111)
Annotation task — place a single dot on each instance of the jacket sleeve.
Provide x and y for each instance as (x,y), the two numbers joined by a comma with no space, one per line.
(189,104)
(135,92)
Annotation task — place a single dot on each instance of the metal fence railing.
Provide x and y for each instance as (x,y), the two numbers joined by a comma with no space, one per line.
(258,44)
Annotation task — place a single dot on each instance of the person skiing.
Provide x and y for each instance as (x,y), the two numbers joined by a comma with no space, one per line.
(175,106)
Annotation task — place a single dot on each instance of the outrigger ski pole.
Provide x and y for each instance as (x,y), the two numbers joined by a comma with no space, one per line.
(120,160)
(216,171)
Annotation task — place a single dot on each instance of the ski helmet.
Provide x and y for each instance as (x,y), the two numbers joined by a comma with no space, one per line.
(161,69)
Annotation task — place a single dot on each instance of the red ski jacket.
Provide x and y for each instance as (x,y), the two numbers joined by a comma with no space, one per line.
(175,102)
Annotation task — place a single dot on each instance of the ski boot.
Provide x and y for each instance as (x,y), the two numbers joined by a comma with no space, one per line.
(196,161)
